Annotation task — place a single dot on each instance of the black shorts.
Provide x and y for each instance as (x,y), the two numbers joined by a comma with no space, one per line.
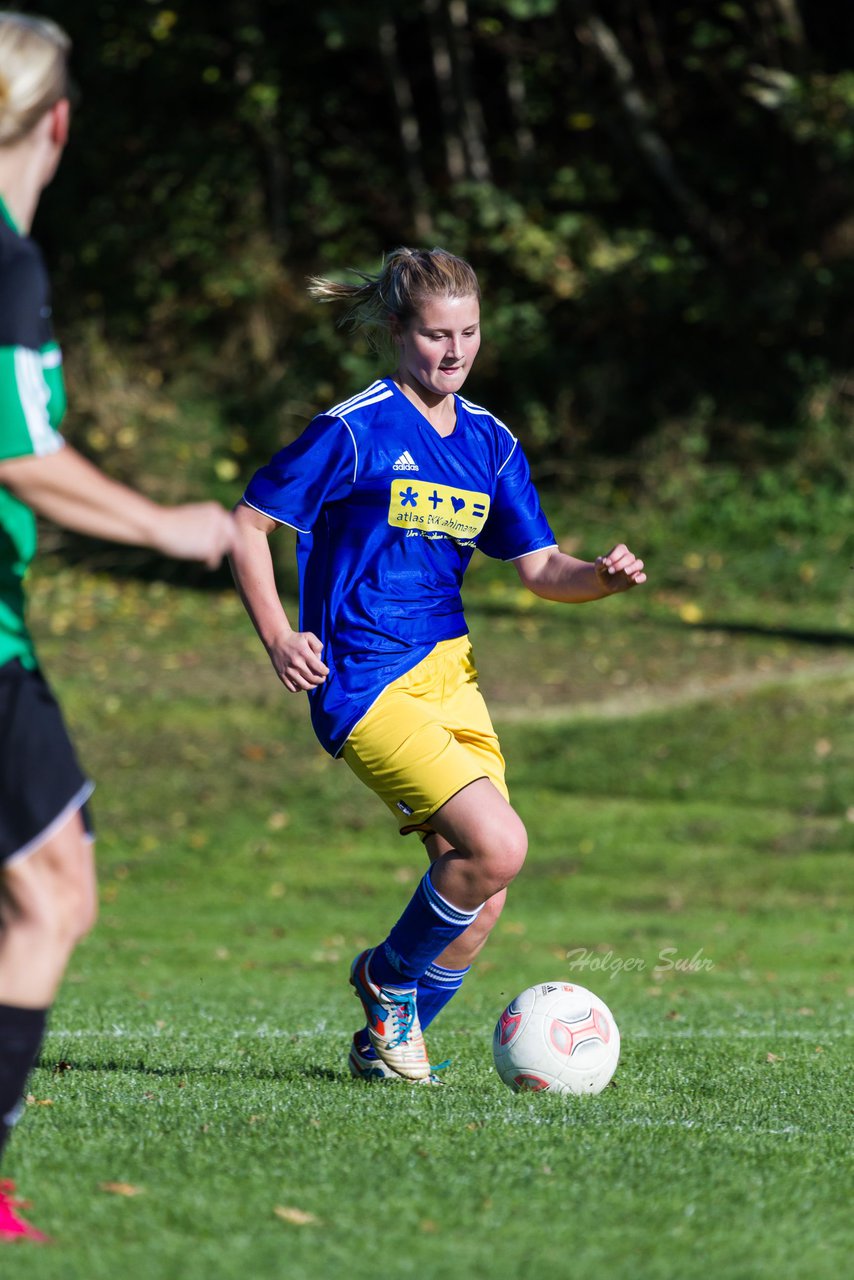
(41,782)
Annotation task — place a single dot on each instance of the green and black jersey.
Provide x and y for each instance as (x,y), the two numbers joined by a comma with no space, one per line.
(32,402)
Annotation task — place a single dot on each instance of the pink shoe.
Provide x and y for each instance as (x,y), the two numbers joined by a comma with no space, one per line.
(12,1227)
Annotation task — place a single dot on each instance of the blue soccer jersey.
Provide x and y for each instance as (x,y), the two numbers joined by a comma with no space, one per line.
(388,514)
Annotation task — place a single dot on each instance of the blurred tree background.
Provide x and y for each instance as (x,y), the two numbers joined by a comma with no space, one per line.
(658,196)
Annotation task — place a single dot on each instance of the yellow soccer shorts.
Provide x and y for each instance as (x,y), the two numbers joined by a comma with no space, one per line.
(426,737)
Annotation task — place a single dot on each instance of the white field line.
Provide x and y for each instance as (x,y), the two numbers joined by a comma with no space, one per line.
(817,1032)
(629,705)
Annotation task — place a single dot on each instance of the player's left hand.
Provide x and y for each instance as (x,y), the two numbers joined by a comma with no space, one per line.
(619,570)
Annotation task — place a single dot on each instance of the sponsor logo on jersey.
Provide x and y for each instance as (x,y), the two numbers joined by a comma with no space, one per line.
(437,508)
(405,462)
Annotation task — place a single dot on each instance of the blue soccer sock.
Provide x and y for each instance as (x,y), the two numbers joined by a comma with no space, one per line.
(435,989)
(428,925)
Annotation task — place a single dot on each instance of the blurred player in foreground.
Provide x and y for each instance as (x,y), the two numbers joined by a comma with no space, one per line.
(47,876)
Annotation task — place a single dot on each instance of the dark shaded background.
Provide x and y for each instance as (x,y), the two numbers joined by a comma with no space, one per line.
(657,197)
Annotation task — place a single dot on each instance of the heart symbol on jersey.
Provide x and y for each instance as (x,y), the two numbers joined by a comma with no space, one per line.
(458,504)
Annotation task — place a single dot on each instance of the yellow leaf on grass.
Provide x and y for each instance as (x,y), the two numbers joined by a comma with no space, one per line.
(121,1189)
(690,613)
(299,1217)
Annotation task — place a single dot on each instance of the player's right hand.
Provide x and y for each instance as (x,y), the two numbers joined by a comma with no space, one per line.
(196,531)
(297,661)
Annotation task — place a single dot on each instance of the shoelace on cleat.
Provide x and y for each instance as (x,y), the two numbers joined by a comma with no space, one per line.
(404,1014)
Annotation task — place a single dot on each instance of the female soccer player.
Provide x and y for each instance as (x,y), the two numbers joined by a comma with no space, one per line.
(47,880)
(390,493)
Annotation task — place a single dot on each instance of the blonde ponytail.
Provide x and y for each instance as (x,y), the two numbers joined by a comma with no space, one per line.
(409,277)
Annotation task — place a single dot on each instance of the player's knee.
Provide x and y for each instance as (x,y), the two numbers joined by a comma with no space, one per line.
(515,846)
(66,922)
(505,852)
(37,914)
(73,884)
(57,910)
(77,897)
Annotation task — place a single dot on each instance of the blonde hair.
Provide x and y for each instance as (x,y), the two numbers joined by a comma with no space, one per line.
(409,277)
(33,72)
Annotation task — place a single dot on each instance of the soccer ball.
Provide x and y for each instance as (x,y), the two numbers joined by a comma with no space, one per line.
(556,1037)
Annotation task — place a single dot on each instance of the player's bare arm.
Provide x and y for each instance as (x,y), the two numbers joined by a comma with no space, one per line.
(70,491)
(554,575)
(296,655)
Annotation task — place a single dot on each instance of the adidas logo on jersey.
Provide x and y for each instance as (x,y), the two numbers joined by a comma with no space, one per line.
(405,462)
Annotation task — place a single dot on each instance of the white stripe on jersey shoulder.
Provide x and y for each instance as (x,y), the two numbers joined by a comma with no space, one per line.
(338,409)
(476,408)
(34,395)
(353,406)
(361,404)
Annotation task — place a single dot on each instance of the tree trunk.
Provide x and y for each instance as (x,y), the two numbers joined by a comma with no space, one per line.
(592,30)
(455,161)
(515,82)
(471,115)
(410,134)
(792,21)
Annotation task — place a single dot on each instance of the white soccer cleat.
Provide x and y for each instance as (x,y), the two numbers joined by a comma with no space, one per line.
(365,1065)
(393,1025)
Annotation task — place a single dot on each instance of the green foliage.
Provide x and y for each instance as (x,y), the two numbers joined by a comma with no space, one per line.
(658,201)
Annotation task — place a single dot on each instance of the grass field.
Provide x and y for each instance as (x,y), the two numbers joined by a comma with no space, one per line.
(683,760)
